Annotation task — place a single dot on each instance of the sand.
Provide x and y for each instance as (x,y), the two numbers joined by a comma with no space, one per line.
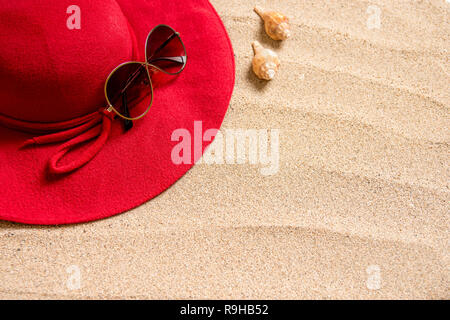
(358,208)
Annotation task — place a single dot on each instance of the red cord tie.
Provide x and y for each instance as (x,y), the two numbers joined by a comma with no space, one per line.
(99,128)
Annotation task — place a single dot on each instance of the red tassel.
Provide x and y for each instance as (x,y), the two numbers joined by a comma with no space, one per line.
(98,127)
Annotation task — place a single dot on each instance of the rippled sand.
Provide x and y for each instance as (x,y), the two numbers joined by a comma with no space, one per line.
(358,209)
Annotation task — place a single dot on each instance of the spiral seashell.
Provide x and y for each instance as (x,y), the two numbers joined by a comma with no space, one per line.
(276,24)
(265,62)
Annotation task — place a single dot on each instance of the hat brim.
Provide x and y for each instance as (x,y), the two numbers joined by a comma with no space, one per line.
(135,166)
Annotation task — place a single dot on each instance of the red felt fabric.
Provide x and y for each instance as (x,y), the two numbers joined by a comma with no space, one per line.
(50,75)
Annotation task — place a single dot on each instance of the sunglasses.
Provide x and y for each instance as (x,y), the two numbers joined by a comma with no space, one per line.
(129,88)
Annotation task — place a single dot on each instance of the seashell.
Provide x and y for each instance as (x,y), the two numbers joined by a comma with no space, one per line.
(276,24)
(265,63)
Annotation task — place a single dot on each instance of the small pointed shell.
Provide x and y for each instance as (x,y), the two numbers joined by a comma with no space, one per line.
(265,63)
(276,24)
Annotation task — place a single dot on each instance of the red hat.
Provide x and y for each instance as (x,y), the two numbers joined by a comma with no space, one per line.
(79,163)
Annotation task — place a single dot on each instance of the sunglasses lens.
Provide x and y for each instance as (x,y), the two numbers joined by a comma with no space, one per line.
(165,50)
(129,90)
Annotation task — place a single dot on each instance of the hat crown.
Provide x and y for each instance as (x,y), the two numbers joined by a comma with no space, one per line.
(55,57)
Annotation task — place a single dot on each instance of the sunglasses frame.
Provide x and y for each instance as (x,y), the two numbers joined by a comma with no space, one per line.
(177,34)
(146,65)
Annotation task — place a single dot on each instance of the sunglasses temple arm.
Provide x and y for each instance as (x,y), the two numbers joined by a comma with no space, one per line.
(179,59)
(165,43)
(132,78)
(128,124)
(122,92)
